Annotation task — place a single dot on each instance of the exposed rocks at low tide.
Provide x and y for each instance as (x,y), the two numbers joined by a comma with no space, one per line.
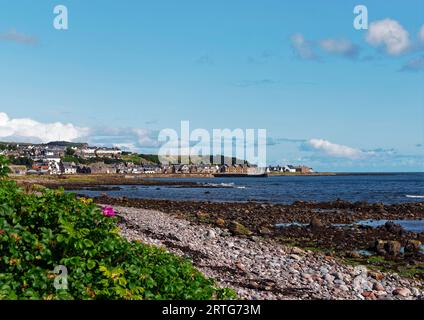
(260,268)
(254,214)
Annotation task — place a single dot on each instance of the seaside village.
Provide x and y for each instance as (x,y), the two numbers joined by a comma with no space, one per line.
(64,158)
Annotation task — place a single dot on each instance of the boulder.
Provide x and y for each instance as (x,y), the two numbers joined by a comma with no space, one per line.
(379,247)
(413,246)
(392,248)
(393,227)
(316,223)
(403,292)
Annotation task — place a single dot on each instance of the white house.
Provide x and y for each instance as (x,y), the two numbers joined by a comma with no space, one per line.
(289,168)
(69,168)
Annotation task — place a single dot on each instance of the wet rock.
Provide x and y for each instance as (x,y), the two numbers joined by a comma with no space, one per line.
(316,223)
(392,247)
(413,246)
(379,247)
(393,227)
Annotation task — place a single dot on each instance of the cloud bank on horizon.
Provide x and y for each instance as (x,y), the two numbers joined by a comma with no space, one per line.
(315,150)
(29,130)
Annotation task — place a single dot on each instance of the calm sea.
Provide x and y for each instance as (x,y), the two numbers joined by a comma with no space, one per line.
(386,188)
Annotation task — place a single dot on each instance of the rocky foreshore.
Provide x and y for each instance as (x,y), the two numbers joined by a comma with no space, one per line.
(257,213)
(258,268)
(329,227)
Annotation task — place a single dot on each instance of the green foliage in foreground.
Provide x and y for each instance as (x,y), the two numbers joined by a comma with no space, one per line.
(38,233)
(4,167)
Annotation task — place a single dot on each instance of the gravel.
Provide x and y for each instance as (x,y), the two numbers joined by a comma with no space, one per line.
(258,269)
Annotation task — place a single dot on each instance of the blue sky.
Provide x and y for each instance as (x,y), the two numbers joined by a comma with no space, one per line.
(330,96)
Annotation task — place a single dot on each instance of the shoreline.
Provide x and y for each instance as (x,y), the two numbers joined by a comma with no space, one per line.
(258,268)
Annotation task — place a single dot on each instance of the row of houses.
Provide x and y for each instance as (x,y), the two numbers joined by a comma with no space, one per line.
(49,159)
(35,151)
(55,150)
(57,167)
(67,168)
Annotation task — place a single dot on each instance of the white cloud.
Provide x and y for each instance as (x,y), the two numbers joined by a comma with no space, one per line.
(340,47)
(28,130)
(18,37)
(302,47)
(421,34)
(335,150)
(129,138)
(390,34)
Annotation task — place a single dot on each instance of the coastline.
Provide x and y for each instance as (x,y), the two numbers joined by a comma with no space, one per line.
(240,245)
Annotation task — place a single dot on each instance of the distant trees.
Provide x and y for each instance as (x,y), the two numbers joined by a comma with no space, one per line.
(21,161)
(4,146)
(69,151)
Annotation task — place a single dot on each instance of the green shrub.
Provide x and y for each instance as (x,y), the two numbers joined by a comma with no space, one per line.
(4,167)
(38,233)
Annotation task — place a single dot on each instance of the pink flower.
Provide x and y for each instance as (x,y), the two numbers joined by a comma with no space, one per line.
(108,212)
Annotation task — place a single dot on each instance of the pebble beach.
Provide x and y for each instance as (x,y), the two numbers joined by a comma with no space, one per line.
(261,269)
